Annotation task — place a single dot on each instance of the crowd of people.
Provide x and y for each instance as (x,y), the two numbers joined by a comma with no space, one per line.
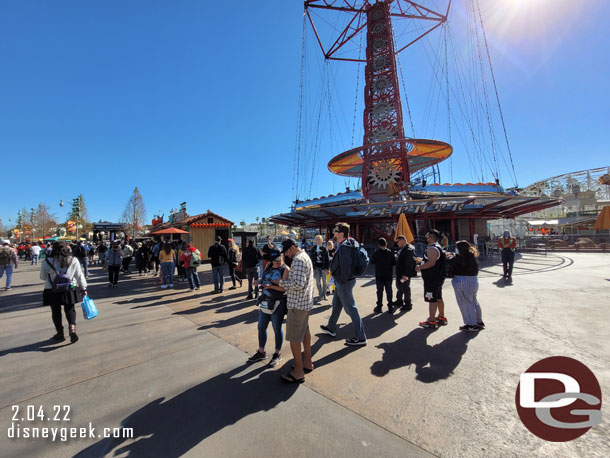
(281,280)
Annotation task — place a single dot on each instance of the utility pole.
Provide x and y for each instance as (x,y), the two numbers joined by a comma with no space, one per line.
(76,209)
(32,221)
(21,216)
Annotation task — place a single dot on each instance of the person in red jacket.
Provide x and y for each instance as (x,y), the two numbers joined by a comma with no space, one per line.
(191,259)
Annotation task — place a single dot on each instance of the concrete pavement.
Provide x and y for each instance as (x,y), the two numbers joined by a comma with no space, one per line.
(170,365)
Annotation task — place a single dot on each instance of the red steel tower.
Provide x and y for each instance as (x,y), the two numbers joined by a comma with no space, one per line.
(387,157)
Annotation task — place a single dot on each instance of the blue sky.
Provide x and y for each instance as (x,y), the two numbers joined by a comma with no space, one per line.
(197,101)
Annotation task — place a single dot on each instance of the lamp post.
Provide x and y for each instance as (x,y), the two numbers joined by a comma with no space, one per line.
(21,215)
(32,221)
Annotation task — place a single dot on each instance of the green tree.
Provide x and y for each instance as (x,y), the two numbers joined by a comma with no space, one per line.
(21,222)
(134,215)
(79,214)
(242,223)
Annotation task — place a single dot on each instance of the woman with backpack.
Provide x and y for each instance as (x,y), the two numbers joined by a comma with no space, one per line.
(64,285)
(191,259)
(233,260)
(465,285)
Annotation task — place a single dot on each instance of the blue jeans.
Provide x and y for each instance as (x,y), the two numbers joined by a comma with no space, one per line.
(276,318)
(9,273)
(193,278)
(344,298)
(85,264)
(34,259)
(167,270)
(219,277)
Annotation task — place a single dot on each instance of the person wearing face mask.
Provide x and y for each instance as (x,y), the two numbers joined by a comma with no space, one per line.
(507,246)
(321,263)
(65,285)
(114,259)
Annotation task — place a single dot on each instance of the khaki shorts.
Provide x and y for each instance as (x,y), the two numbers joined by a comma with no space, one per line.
(297,325)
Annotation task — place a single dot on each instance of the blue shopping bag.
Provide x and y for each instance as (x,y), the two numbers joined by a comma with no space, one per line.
(89,309)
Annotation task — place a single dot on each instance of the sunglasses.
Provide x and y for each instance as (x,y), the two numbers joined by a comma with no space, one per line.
(336,230)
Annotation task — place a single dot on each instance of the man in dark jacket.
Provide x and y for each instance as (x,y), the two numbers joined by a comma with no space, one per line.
(218,256)
(250,258)
(342,270)
(384,260)
(405,269)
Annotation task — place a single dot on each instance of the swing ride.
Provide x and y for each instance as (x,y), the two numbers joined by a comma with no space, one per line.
(393,169)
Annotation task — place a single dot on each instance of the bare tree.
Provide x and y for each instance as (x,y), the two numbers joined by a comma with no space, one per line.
(134,215)
(44,220)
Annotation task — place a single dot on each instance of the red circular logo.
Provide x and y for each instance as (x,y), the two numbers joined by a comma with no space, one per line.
(559,399)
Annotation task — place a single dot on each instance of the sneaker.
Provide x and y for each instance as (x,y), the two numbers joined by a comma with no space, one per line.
(258,356)
(325,330)
(198,288)
(191,289)
(429,324)
(481,325)
(163,286)
(109,285)
(353,341)
(59,337)
(8,287)
(248,297)
(470,328)
(441,320)
(233,287)
(171,285)
(463,328)
(407,308)
(378,309)
(275,359)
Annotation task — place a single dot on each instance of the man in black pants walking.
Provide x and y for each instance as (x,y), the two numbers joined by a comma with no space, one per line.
(250,258)
(384,260)
(405,269)
(113,261)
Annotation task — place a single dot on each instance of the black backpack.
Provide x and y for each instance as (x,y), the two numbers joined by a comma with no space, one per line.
(444,266)
(61,283)
(360,261)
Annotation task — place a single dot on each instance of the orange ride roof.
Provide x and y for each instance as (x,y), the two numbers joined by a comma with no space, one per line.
(423,153)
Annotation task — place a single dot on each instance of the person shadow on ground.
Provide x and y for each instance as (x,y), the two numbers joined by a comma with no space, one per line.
(171,427)
(432,362)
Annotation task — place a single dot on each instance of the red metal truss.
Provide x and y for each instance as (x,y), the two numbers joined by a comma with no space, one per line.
(385,168)
(404,9)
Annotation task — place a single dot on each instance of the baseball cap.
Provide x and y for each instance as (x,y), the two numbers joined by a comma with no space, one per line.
(287,244)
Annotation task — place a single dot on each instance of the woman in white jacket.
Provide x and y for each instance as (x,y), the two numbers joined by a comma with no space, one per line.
(64,285)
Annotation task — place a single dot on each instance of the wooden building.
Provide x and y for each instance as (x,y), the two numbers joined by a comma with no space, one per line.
(202,230)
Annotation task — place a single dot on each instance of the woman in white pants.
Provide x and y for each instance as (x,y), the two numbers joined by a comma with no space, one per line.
(466,284)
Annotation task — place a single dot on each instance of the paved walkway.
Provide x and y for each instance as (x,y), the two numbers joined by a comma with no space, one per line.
(171,365)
